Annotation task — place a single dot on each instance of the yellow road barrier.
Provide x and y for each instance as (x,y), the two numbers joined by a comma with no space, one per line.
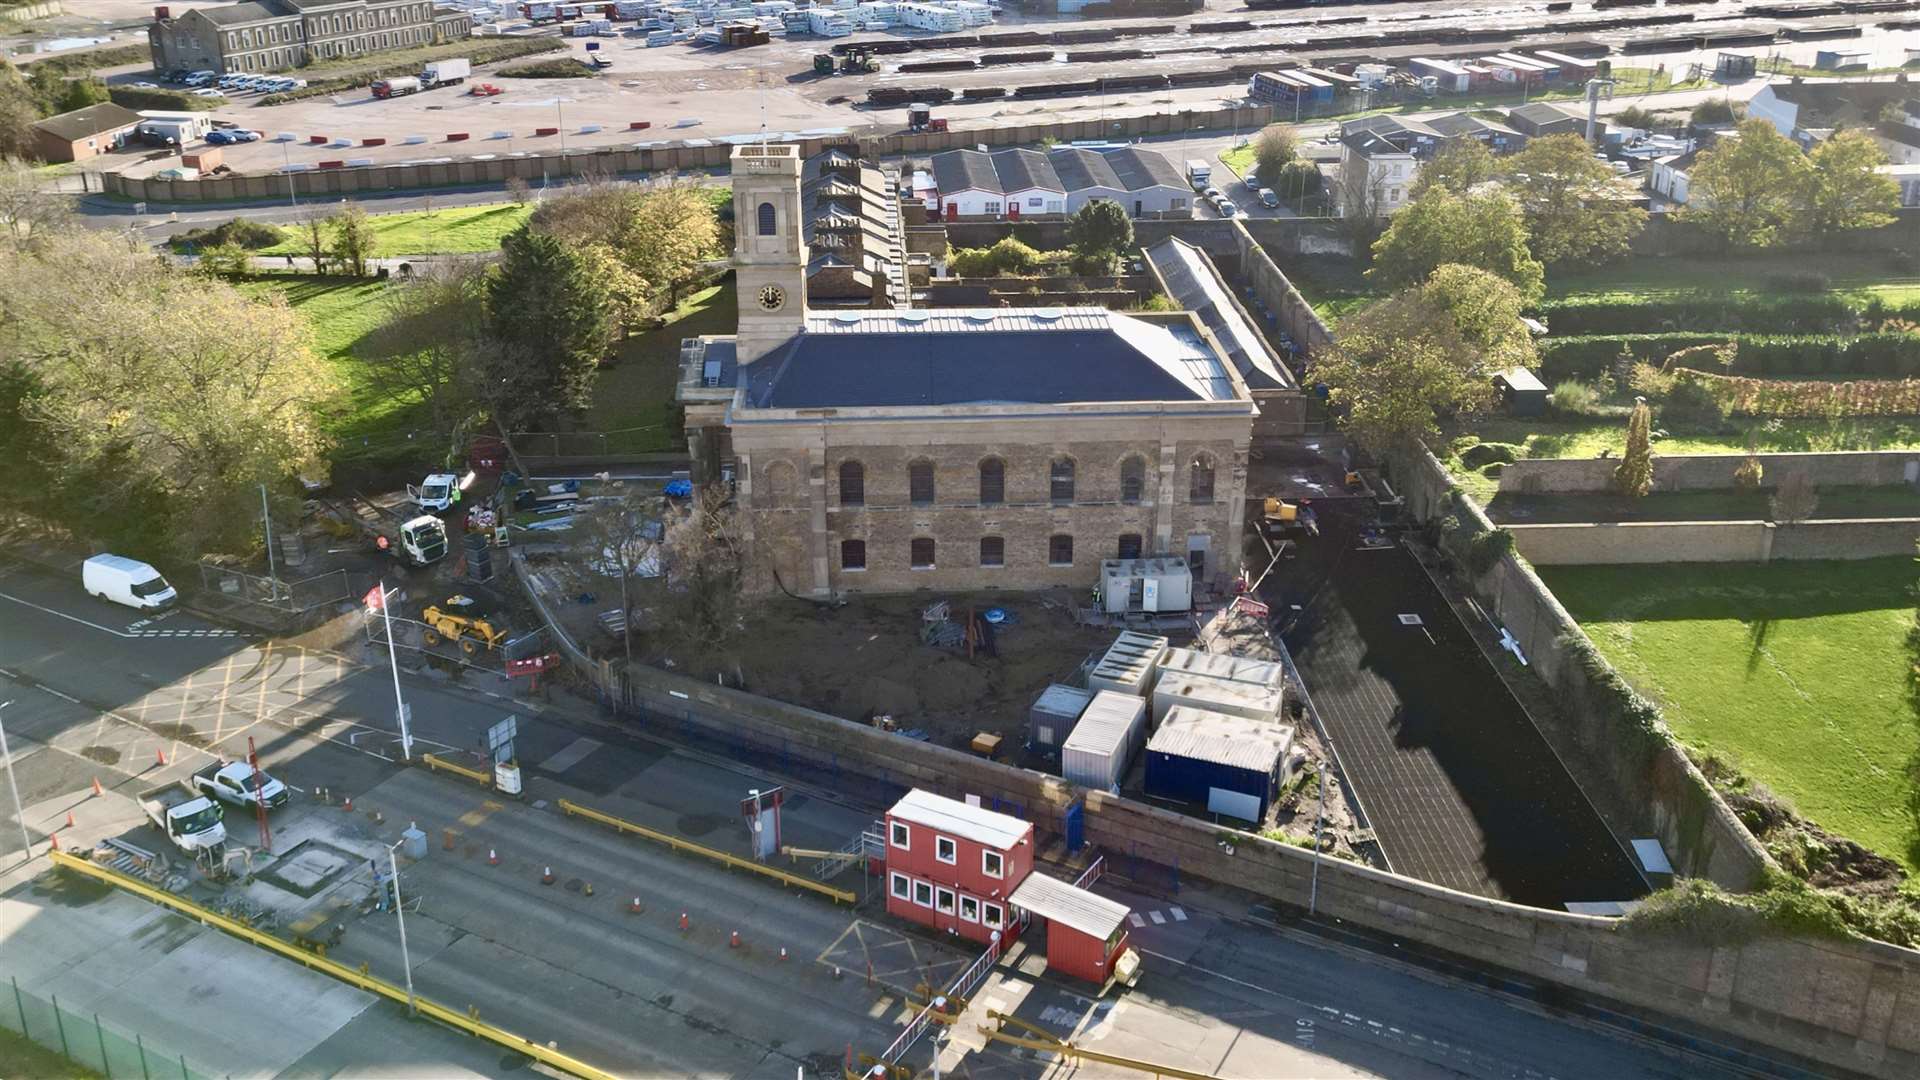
(468,1021)
(569,807)
(474,775)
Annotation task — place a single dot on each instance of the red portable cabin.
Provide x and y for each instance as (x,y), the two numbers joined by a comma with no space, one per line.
(1086,932)
(952,865)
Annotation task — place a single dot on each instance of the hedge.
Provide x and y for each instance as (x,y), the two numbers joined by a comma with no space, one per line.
(1888,355)
(1702,314)
(136,98)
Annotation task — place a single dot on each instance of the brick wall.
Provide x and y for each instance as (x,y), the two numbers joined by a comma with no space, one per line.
(1697,472)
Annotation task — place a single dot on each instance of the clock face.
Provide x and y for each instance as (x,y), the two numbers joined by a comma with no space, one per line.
(771,297)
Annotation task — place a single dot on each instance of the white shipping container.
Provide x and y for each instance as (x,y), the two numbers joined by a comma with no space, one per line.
(1241,669)
(1103,743)
(1129,664)
(1215,695)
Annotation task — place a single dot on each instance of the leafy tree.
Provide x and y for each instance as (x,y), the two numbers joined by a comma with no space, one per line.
(1426,351)
(1483,230)
(1795,499)
(353,239)
(674,231)
(1634,116)
(311,231)
(228,260)
(1458,168)
(79,94)
(1100,232)
(1298,179)
(549,323)
(1750,472)
(1746,191)
(158,431)
(1718,111)
(1575,211)
(1273,148)
(1634,475)
(25,208)
(18,110)
(1844,189)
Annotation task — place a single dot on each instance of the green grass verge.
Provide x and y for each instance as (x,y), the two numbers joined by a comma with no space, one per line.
(637,392)
(22,1057)
(1795,671)
(1855,274)
(1835,503)
(455,230)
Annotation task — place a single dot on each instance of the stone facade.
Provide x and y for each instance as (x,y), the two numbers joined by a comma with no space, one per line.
(277,35)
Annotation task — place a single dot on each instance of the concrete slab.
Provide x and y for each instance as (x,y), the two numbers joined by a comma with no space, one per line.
(570,756)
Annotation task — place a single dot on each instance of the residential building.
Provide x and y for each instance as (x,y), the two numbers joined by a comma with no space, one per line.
(1543,118)
(1014,184)
(1907,175)
(273,35)
(854,232)
(1375,176)
(84,133)
(1154,185)
(892,451)
(1808,112)
(1404,133)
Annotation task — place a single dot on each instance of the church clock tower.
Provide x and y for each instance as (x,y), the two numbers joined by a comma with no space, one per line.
(769,250)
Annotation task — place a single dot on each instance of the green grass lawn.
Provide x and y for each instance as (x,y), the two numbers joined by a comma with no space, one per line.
(637,392)
(1859,274)
(22,1057)
(456,230)
(1836,502)
(1793,670)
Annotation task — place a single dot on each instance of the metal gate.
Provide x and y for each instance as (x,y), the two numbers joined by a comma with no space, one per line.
(1076,825)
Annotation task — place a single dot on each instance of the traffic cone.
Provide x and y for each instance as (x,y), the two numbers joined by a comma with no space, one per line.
(547,878)
(347,805)
(635,908)
(683,920)
(587,889)
(733,942)
(69,819)
(160,757)
(493,857)
(55,839)
(96,787)
(783,952)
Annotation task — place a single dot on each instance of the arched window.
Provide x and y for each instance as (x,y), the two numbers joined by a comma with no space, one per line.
(853,484)
(1129,545)
(1200,480)
(993,482)
(920,483)
(1060,480)
(1133,480)
(780,480)
(853,554)
(768,220)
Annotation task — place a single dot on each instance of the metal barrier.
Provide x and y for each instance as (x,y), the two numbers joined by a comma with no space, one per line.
(276,593)
(570,808)
(468,1022)
(82,1039)
(1091,874)
(435,761)
(958,991)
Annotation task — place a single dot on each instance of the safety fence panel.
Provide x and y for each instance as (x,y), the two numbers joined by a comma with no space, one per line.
(89,1042)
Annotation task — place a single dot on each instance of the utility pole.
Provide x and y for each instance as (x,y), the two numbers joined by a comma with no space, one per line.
(1319,830)
(393,657)
(19,815)
(400,915)
(266,526)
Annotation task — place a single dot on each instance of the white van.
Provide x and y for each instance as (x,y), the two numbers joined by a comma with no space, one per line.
(126,581)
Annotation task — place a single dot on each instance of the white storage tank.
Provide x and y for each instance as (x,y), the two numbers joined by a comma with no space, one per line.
(1053,716)
(1267,673)
(1215,695)
(1103,743)
(1129,665)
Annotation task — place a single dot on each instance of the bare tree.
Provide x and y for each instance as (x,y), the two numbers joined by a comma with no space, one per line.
(1795,499)
(311,229)
(25,207)
(1360,198)
(619,536)
(518,191)
(704,561)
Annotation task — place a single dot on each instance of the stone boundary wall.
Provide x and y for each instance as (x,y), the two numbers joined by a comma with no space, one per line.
(1297,317)
(1700,472)
(28,12)
(1610,543)
(1666,797)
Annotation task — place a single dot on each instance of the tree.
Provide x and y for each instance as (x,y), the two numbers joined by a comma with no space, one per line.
(160,431)
(619,538)
(25,208)
(1100,233)
(311,231)
(1482,230)
(1424,352)
(704,563)
(549,323)
(1633,116)
(1746,191)
(1633,477)
(1574,207)
(1795,499)
(1844,188)
(518,191)
(1459,168)
(79,94)
(1747,476)
(428,347)
(1358,197)
(674,231)
(353,239)
(18,111)
(1273,148)
(228,260)
(1298,179)
(1719,111)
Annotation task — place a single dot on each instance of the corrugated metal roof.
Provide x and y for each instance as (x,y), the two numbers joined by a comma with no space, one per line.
(1195,284)
(1109,721)
(963,170)
(1076,908)
(1023,170)
(1062,700)
(1234,741)
(1139,168)
(1080,169)
(1241,669)
(990,827)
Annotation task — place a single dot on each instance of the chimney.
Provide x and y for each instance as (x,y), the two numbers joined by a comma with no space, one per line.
(161,14)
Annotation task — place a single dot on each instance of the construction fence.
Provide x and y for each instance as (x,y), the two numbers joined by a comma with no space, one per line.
(90,1043)
(292,597)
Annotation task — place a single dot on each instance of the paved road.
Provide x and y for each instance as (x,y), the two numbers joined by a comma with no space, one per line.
(96,691)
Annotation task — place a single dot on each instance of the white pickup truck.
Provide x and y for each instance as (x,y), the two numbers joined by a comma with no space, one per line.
(194,823)
(233,782)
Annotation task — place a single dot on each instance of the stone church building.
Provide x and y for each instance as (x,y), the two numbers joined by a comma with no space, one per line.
(956,449)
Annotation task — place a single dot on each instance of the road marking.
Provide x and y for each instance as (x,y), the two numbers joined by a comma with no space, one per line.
(569,756)
(1158,919)
(69,618)
(1178,915)
(1134,917)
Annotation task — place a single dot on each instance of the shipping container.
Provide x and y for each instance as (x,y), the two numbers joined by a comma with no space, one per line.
(1219,695)
(1054,714)
(1266,673)
(1103,743)
(1128,667)
(1149,585)
(1229,764)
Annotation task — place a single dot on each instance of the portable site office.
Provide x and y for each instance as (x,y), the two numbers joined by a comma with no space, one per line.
(1215,695)
(1230,763)
(1129,664)
(1103,743)
(1054,715)
(1241,669)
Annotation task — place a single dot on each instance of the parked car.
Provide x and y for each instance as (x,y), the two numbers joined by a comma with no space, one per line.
(484,90)
(1251,178)
(1211,194)
(200,78)
(241,135)
(208,91)
(145,86)
(1268,198)
(1228,210)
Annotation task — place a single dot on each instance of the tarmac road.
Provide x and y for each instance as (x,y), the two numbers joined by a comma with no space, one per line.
(99,692)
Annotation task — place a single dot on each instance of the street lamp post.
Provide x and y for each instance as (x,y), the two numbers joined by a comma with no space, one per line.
(1319,830)
(400,915)
(266,526)
(13,785)
(393,658)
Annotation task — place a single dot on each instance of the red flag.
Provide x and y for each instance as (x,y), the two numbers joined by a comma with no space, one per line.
(375,597)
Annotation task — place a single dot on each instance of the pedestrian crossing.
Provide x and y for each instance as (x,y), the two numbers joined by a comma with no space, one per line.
(213,632)
(1159,918)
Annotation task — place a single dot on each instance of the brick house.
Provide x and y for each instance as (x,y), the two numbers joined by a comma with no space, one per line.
(84,133)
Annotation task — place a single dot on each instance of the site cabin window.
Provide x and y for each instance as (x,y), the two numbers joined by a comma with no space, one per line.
(992,917)
(920,553)
(853,554)
(1060,481)
(993,208)
(853,484)
(1200,480)
(920,483)
(923,894)
(943,901)
(901,888)
(1060,550)
(902,836)
(1129,546)
(969,909)
(991,864)
(993,551)
(1036,202)
(1133,480)
(769,221)
(993,482)
(946,850)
